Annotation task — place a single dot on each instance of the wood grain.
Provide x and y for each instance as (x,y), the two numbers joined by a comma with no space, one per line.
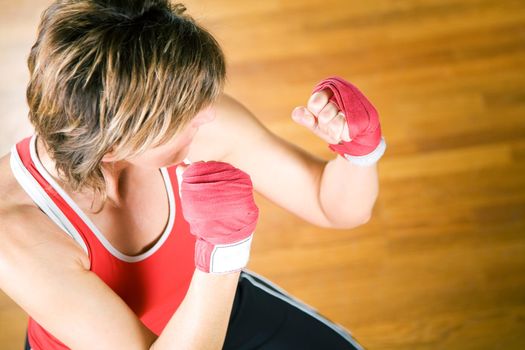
(441,264)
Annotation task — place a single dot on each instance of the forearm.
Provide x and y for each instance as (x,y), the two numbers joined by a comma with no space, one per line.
(348,192)
(201,320)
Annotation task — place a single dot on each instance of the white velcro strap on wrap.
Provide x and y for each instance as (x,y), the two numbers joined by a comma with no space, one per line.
(230,257)
(370,158)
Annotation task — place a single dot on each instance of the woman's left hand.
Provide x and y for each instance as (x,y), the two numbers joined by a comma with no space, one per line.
(323,118)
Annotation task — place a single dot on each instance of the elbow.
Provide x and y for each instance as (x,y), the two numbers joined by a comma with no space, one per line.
(352,221)
(365,218)
(350,218)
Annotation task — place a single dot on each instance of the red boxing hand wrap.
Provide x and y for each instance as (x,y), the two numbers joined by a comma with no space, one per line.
(217,201)
(367,144)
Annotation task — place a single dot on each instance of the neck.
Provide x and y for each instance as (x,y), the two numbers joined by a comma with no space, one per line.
(115,175)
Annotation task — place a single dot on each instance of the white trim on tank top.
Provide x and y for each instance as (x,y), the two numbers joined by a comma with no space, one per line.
(41,198)
(119,255)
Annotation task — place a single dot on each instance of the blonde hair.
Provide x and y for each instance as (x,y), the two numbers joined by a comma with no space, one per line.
(117,75)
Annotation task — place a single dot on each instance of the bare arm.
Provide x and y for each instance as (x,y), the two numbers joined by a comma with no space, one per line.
(202,319)
(45,272)
(348,192)
(332,194)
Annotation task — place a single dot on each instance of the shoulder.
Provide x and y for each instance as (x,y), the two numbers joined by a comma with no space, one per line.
(11,194)
(27,235)
(218,139)
(25,231)
(280,170)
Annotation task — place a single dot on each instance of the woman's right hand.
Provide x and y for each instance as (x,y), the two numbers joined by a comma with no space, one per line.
(217,202)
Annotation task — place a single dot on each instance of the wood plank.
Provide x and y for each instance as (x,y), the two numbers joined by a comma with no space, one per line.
(440,265)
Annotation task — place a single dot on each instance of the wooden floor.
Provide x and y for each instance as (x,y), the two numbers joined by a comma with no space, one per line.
(441,265)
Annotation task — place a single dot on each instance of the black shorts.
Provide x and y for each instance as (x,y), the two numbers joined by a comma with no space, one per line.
(264,316)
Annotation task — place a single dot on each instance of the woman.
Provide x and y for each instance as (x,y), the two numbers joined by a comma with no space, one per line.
(93,243)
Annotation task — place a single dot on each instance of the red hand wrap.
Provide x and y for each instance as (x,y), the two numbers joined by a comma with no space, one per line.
(217,201)
(362,119)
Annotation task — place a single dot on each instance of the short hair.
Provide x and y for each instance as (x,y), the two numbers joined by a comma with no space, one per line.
(117,75)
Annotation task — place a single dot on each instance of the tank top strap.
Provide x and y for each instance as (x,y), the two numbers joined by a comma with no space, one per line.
(40,191)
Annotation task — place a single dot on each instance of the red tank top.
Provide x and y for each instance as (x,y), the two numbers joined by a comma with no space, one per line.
(152,284)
